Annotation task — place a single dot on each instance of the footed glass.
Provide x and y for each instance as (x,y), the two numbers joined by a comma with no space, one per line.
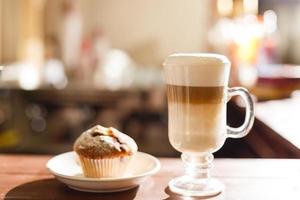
(197,95)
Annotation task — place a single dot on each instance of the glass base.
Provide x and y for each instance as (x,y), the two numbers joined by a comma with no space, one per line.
(188,186)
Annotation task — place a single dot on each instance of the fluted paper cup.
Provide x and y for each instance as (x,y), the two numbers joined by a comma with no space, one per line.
(106,167)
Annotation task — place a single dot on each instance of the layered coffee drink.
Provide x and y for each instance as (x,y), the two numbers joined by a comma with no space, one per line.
(197,99)
(197,96)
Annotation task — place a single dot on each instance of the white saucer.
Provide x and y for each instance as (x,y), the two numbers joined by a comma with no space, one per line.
(66,169)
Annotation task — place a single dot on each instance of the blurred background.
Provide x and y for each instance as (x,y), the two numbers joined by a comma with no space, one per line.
(70,64)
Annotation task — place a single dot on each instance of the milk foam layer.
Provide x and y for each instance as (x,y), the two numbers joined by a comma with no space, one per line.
(197,69)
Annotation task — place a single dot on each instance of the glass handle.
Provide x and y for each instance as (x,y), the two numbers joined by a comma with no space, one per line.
(244,129)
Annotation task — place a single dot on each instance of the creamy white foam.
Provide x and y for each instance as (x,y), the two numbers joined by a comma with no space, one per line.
(196,69)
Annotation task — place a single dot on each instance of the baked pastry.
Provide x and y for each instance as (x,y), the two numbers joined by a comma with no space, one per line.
(104,152)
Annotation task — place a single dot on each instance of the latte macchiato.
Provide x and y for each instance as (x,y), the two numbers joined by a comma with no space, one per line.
(197,95)
(197,102)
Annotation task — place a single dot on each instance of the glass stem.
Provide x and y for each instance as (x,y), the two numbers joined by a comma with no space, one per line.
(197,166)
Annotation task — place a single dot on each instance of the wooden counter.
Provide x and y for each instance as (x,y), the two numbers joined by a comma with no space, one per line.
(26,177)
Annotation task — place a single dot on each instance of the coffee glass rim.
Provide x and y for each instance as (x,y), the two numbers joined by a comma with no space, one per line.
(197,59)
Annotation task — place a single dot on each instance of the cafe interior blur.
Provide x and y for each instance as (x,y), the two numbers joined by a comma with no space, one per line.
(67,65)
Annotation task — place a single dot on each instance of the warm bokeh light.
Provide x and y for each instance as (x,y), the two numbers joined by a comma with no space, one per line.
(29,76)
(270,21)
(250,6)
(225,7)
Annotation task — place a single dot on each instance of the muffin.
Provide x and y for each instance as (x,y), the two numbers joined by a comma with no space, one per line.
(104,152)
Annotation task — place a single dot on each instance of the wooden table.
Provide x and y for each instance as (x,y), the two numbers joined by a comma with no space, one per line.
(25,177)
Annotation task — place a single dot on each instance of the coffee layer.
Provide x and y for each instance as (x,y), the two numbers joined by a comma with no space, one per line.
(195,95)
(197,118)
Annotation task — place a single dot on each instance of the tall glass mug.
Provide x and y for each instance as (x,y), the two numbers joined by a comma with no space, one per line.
(197,95)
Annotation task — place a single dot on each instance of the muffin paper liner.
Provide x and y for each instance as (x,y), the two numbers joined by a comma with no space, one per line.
(106,167)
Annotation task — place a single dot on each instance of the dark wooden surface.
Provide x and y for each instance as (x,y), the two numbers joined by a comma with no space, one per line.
(25,177)
(264,140)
